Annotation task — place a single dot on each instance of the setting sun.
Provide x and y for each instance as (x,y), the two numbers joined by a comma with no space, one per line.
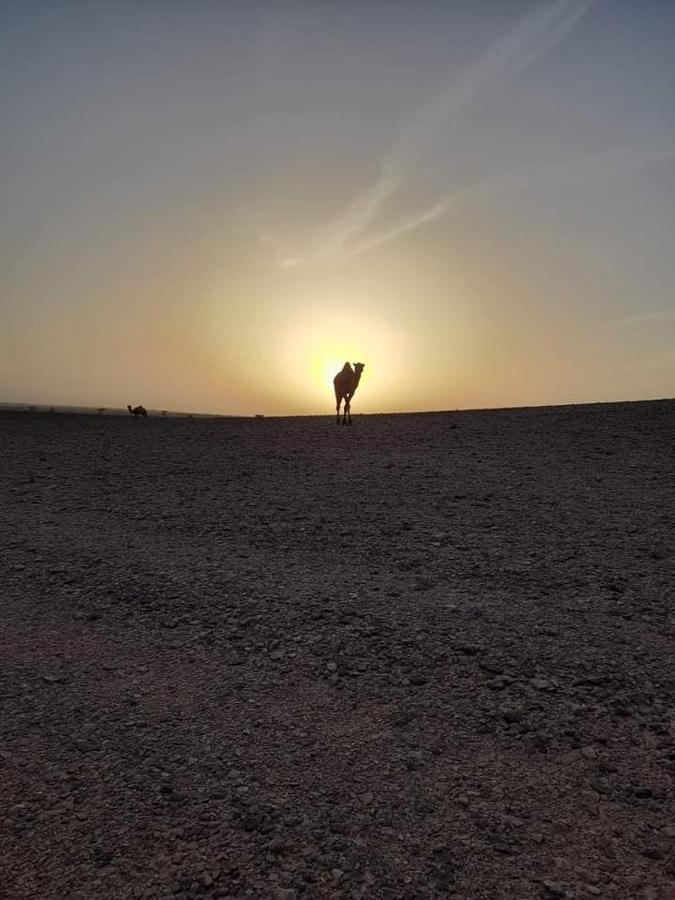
(314,353)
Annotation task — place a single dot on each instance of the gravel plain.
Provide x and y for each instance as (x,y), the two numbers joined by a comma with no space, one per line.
(425,656)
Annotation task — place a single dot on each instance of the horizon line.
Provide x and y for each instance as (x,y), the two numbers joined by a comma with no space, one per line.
(77,409)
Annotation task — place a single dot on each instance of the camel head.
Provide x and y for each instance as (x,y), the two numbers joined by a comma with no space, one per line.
(358,369)
(129,408)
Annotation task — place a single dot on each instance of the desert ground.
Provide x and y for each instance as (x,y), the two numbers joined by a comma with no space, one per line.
(425,656)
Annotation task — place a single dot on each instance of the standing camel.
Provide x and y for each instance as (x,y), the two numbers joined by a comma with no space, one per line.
(345,383)
(137,410)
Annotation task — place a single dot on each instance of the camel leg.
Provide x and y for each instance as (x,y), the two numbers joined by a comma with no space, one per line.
(347,418)
(338,400)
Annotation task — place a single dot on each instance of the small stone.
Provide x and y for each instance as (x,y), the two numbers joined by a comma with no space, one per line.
(491,666)
(641,792)
(469,649)
(414,760)
(366,798)
(553,889)
(598,785)
(285,894)
(54,679)
(252,822)
(332,666)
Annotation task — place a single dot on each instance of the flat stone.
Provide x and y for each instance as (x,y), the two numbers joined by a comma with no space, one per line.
(553,889)
(642,793)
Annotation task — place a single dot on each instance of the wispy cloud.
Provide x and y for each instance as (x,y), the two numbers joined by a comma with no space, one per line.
(543,28)
(584,170)
(657,316)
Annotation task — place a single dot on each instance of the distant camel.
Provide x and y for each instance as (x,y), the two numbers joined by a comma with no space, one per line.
(138,411)
(346,383)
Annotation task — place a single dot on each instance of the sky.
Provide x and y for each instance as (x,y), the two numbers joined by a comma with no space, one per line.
(211,206)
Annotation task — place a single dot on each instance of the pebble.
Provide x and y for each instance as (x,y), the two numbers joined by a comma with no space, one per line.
(553,889)
(600,786)
(642,793)
(490,666)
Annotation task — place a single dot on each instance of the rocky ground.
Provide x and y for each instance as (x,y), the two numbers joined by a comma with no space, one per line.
(426,656)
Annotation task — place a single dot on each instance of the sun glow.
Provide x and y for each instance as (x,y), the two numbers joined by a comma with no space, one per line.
(325,364)
(315,353)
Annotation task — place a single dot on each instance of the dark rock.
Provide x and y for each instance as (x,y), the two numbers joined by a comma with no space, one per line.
(642,793)
(553,889)
(491,666)
(600,786)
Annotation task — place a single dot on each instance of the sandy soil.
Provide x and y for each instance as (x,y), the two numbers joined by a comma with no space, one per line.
(425,656)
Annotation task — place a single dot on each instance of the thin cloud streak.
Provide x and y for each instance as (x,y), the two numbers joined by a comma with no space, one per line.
(588,170)
(534,35)
(661,315)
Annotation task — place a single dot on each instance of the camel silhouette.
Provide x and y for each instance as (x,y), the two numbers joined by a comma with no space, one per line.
(345,383)
(137,410)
